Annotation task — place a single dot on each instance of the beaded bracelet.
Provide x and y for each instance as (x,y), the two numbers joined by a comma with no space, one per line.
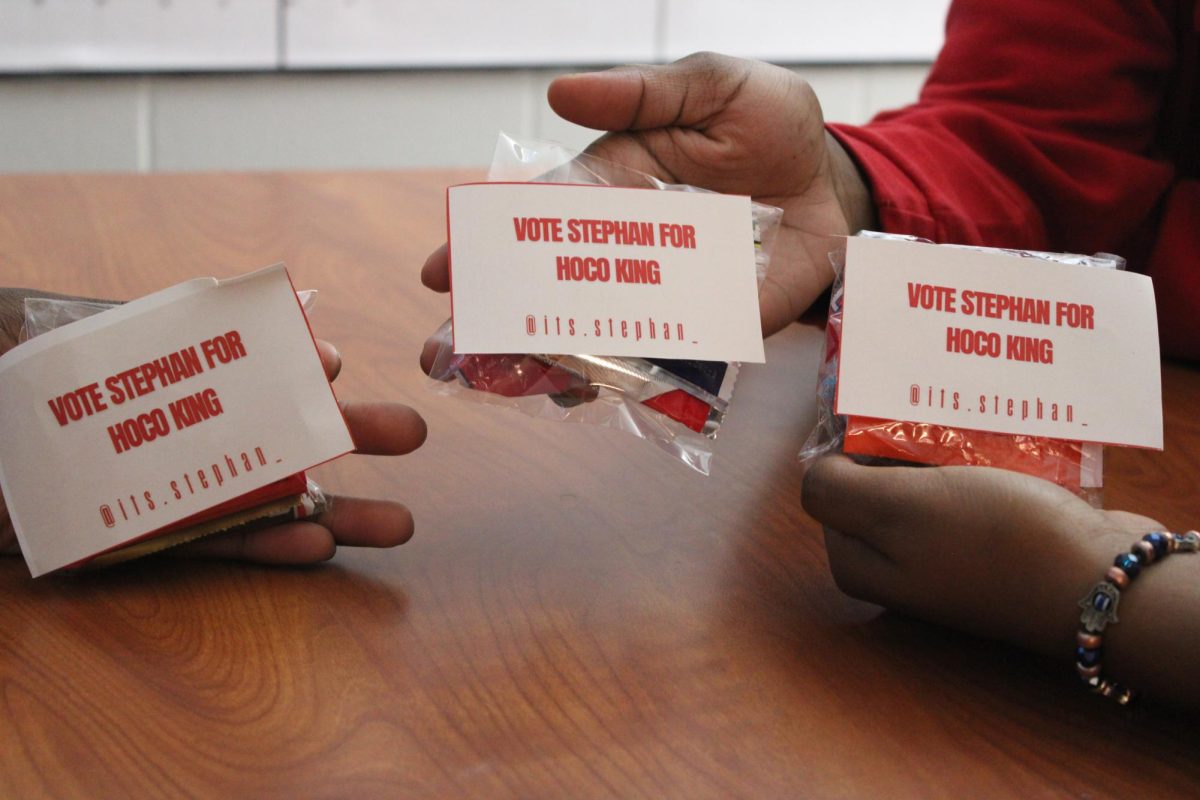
(1100,605)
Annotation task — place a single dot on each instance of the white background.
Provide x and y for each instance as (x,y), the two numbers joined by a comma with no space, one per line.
(277,84)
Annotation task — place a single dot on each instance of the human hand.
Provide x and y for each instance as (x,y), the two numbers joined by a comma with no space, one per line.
(987,551)
(377,429)
(733,126)
(12,318)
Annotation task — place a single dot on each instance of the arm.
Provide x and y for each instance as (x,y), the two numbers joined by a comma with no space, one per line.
(1037,128)
(1006,556)
(1055,126)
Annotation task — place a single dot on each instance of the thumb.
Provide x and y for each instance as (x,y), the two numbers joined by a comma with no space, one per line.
(880,504)
(685,93)
(859,500)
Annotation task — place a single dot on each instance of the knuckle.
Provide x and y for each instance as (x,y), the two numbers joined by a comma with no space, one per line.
(711,68)
(704,59)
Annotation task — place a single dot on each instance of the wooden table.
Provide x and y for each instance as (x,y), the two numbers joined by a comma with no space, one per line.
(578,615)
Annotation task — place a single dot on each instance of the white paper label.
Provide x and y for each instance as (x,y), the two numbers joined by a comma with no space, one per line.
(595,270)
(999,342)
(133,419)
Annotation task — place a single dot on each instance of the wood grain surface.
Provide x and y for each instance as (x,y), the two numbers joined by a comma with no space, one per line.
(578,615)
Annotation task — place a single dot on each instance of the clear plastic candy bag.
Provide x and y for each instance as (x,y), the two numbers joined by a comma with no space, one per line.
(678,405)
(1077,466)
(291,498)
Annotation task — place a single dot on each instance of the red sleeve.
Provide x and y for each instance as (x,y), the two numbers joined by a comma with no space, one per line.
(1040,126)
(1174,264)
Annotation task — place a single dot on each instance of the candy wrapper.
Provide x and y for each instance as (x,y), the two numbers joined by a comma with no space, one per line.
(679,405)
(295,497)
(1075,465)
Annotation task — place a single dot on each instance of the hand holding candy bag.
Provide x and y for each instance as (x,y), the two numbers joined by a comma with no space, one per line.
(679,404)
(1071,463)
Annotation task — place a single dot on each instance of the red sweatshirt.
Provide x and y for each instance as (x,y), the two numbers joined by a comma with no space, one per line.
(1056,125)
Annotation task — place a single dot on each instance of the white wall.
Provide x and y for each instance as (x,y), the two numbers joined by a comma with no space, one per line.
(291,84)
(147,35)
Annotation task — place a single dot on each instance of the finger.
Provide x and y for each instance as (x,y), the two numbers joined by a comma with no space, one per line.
(360,522)
(879,503)
(289,543)
(886,506)
(384,429)
(800,270)
(861,565)
(429,354)
(442,341)
(350,522)
(436,272)
(331,359)
(685,93)
(854,499)
(859,569)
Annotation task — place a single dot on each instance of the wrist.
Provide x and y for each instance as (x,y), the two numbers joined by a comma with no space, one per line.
(1154,646)
(851,187)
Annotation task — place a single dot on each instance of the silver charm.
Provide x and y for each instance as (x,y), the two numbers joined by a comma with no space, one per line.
(1099,612)
(1187,542)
